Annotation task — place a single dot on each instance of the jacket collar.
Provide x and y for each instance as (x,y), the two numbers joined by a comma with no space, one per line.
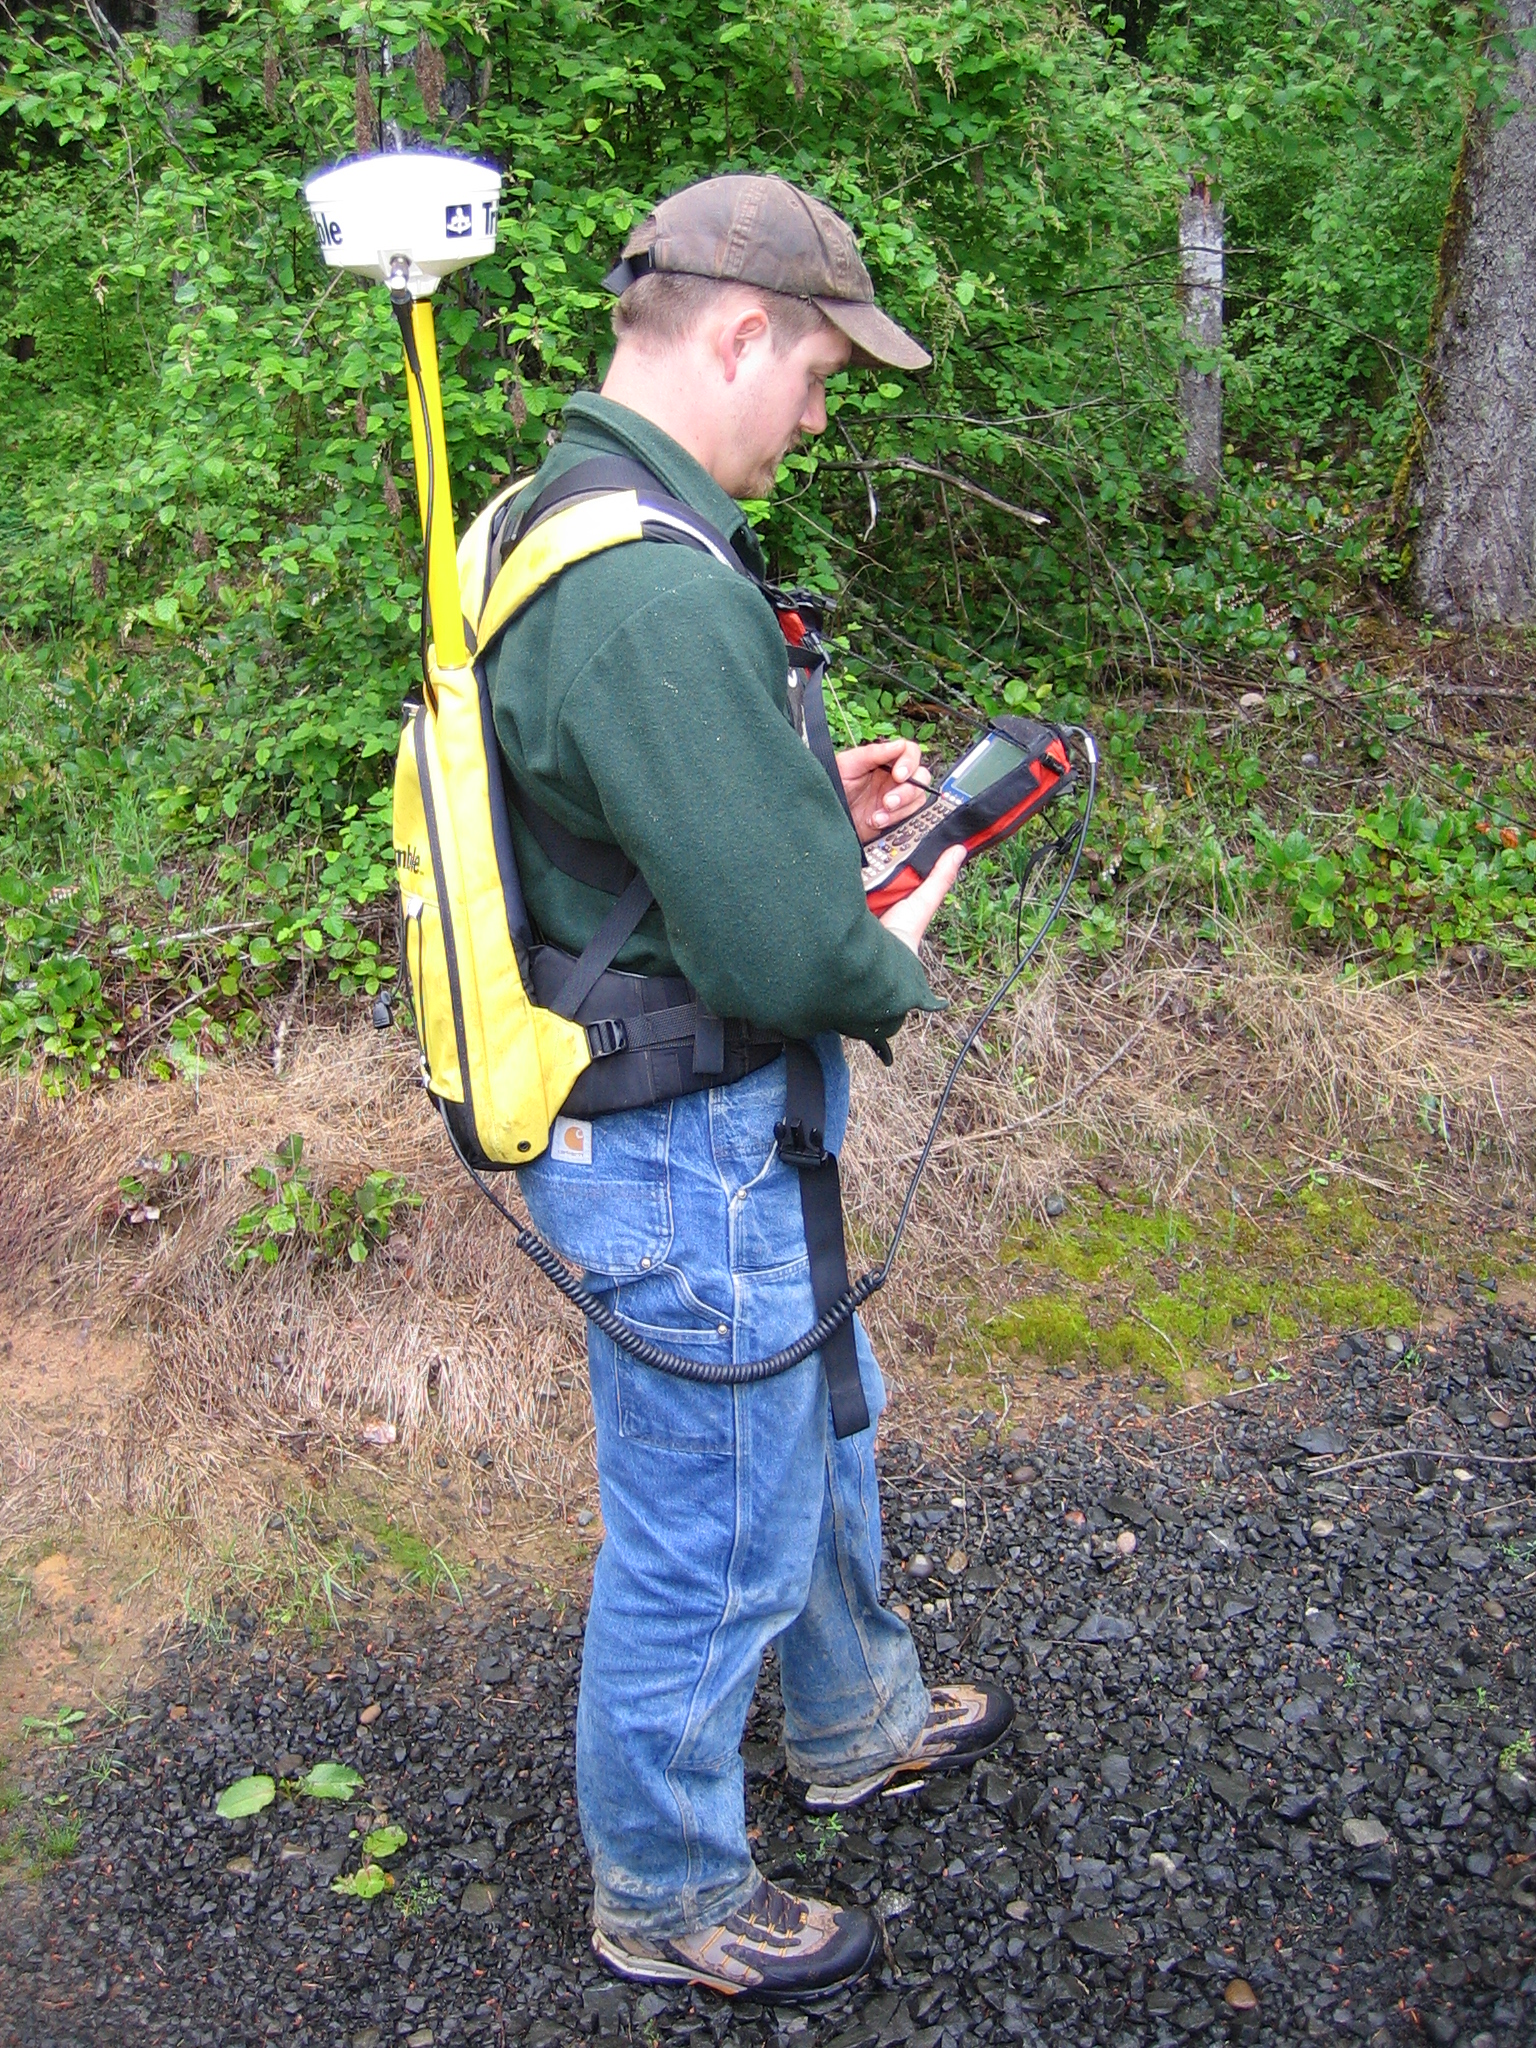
(595,421)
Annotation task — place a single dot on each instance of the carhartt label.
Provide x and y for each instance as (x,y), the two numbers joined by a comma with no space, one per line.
(572,1141)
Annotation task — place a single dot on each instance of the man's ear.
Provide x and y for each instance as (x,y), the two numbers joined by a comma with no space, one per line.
(739,332)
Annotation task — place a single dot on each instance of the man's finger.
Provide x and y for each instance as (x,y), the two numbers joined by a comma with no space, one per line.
(862,760)
(900,801)
(931,893)
(910,918)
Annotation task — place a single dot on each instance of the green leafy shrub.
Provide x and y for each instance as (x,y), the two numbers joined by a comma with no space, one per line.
(341,1222)
(211,574)
(1415,880)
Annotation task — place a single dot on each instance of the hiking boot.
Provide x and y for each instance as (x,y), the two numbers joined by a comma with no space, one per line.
(774,1947)
(964,1722)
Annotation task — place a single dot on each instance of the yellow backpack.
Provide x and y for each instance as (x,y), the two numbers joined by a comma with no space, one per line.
(496,1015)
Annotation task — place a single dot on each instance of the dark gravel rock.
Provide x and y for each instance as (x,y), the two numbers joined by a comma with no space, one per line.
(1281,1746)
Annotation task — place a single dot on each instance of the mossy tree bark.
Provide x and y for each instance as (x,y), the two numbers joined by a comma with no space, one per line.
(1470,474)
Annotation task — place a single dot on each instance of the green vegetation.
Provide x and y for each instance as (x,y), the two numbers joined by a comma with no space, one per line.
(422,1565)
(1515,1755)
(1159,1293)
(350,1221)
(58,1842)
(827,1830)
(330,1781)
(416,1894)
(210,561)
(245,1797)
(305,1569)
(368,1881)
(318,1557)
(33,1852)
(61,1727)
(1052,1330)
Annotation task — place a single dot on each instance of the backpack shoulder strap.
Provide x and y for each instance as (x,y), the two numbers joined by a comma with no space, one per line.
(477,554)
(604,503)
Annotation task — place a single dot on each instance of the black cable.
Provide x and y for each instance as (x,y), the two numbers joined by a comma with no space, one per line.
(1081,839)
(723,1372)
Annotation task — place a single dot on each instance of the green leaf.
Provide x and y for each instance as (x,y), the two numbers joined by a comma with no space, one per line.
(366,1883)
(382,1842)
(331,1781)
(245,1797)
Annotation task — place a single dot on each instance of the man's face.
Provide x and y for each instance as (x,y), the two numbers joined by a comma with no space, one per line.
(779,395)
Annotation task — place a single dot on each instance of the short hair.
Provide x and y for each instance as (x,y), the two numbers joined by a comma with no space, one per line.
(663,308)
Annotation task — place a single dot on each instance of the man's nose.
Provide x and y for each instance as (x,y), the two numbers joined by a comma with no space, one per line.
(814,419)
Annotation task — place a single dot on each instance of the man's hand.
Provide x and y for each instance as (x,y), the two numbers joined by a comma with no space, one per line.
(883,784)
(911,917)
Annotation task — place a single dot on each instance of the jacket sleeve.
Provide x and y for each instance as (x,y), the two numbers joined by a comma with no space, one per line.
(707,788)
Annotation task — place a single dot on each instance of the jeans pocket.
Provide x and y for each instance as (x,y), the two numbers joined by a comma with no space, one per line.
(612,1216)
(662,1409)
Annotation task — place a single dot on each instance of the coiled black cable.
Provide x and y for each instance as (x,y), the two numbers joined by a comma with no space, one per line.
(729,1372)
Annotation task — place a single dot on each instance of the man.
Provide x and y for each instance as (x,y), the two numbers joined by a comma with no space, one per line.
(642,701)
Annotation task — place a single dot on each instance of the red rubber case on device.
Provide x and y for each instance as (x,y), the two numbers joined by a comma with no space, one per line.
(1045,773)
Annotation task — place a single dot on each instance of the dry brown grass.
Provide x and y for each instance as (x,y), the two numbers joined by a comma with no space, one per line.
(1178,1078)
(446,1332)
(1189,1081)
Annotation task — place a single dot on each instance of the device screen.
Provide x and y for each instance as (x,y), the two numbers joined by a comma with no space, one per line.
(987,762)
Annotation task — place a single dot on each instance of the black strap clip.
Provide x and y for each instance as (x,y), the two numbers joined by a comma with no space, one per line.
(606,1037)
(796,1148)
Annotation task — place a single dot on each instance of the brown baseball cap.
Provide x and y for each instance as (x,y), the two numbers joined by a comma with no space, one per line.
(765,231)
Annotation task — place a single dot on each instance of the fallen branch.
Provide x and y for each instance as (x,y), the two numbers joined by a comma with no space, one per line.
(1418,1451)
(208,931)
(1163,1334)
(1227,1400)
(913,467)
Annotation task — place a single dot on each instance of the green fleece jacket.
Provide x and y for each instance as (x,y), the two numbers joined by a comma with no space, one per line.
(641,699)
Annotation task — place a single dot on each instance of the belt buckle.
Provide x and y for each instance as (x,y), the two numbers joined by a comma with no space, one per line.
(798,1150)
(606,1037)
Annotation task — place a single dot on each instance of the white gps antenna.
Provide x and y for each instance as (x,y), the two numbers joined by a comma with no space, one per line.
(407,219)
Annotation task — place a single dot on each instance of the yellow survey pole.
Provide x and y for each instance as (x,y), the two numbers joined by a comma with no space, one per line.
(442,548)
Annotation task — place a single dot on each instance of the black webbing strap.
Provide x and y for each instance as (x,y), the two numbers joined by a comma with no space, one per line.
(818,736)
(602,948)
(802,1145)
(608,868)
(600,475)
(627,271)
(592,861)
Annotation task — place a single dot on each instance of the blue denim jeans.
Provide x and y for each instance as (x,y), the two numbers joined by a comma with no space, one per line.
(733,1518)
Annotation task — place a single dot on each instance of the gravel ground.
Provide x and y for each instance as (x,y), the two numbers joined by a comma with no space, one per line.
(1266,1673)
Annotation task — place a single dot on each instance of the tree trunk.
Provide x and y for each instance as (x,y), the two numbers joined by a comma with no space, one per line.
(175,21)
(1201,267)
(176,25)
(1470,471)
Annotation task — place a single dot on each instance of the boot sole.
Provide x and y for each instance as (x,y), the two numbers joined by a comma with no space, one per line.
(844,1799)
(657,1970)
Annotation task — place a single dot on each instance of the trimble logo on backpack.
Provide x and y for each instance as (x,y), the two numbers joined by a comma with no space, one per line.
(407,860)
